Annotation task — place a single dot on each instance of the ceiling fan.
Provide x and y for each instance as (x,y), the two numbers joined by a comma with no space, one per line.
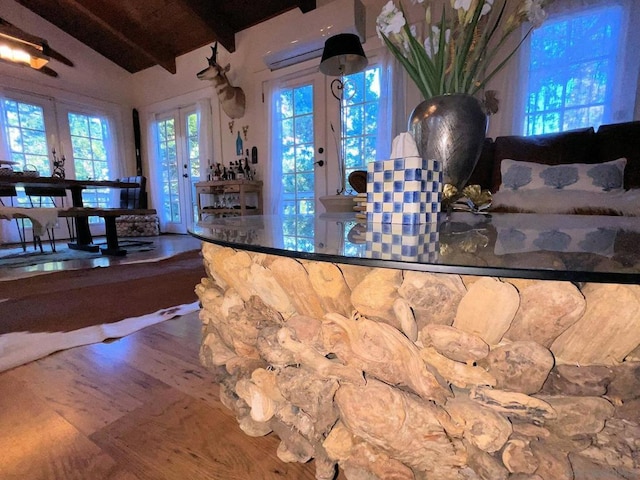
(22,48)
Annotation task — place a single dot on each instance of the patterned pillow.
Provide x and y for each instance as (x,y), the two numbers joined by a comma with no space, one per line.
(591,177)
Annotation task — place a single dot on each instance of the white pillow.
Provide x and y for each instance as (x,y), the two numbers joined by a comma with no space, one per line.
(590,177)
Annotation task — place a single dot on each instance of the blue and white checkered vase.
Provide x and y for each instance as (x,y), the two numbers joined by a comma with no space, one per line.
(405,191)
(405,243)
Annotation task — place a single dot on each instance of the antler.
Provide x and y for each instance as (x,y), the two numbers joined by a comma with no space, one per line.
(214,55)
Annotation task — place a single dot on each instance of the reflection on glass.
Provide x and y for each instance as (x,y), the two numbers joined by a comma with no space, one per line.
(539,243)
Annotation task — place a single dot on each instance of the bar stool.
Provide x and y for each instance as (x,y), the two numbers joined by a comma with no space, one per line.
(10,191)
(51,193)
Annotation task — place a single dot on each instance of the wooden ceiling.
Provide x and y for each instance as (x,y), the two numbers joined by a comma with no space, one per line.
(138,34)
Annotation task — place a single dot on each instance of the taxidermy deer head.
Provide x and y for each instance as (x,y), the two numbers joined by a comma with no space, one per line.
(232,99)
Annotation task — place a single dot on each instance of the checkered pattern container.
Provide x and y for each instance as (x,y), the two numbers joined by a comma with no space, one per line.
(404,191)
(405,243)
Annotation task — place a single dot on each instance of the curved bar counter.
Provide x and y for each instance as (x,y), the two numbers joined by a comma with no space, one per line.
(491,347)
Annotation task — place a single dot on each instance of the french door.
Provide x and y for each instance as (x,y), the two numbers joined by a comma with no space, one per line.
(299,137)
(312,138)
(178,155)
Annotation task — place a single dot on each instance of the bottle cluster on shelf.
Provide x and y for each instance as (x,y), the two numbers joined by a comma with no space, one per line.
(237,170)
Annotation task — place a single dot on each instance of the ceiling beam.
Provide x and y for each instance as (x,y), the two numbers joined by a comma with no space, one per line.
(306,5)
(133,37)
(212,18)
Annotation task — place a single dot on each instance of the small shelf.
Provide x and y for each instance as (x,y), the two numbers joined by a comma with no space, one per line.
(242,188)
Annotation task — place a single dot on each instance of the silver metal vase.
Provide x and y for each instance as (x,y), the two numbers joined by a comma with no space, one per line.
(451,129)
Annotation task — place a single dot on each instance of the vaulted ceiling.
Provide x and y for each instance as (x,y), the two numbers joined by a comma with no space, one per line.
(138,34)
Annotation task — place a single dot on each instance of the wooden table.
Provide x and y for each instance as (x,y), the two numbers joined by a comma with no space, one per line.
(84,240)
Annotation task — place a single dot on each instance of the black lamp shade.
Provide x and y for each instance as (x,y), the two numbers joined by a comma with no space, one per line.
(343,55)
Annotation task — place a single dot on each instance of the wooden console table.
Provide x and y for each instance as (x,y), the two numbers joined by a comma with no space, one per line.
(226,187)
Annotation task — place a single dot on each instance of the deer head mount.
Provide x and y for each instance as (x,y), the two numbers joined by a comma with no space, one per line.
(232,99)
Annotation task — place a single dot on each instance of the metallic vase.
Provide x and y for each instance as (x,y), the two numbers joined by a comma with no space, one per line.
(451,129)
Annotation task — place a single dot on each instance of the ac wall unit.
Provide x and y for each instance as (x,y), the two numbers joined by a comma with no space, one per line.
(306,40)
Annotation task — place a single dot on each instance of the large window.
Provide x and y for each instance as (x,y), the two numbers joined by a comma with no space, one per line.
(27,136)
(89,137)
(572,71)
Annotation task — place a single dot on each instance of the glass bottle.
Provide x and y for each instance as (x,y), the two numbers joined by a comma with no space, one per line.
(239,144)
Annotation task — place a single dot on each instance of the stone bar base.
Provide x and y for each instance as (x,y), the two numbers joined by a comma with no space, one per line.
(395,374)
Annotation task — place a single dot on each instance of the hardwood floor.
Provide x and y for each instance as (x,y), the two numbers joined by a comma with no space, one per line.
(160,246)
(139,408)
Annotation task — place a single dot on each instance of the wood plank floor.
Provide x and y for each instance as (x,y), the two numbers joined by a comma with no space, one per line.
(140,407)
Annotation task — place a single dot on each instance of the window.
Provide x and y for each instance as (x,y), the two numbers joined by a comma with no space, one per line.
(572,71)
(89,137)
(360,105)
(26,134)
(296,118)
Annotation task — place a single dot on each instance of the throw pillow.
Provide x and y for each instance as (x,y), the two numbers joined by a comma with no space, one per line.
(590,177)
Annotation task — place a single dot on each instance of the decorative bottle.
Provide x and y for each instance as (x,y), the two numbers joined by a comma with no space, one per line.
(239,144)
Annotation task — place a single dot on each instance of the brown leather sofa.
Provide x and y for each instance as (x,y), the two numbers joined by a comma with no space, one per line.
(585,145)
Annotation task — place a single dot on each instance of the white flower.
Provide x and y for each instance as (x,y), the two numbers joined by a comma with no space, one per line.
(434,40)
(465,5)
(535,13)
(486,8)
(391,20)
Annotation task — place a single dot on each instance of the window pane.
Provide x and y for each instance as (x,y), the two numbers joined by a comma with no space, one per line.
(360,107)
(303,100)
(24,126)
(88,141)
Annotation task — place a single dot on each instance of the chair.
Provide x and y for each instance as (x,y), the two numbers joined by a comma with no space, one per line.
(52,193)
(134,197)
(10,191)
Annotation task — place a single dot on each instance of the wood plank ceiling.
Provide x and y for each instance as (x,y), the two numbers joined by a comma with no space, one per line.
(138,34)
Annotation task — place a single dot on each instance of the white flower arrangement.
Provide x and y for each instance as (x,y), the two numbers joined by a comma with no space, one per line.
(460,53)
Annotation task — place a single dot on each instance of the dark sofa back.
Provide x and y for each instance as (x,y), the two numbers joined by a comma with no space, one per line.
(621,140)
(576,146)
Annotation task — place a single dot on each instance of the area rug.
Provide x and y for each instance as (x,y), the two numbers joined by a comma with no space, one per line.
(43,314)
(63,254)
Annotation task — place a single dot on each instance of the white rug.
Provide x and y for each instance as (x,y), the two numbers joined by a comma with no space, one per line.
(23,347)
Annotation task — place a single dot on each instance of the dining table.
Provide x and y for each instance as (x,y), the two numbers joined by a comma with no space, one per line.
(84,239)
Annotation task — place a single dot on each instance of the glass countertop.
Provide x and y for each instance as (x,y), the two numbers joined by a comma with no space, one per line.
(578,248)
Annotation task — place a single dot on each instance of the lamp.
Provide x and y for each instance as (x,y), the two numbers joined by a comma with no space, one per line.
(342,55)
(19,47)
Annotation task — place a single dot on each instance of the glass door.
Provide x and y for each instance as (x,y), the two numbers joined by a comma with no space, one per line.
(299,133)
(179,162)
